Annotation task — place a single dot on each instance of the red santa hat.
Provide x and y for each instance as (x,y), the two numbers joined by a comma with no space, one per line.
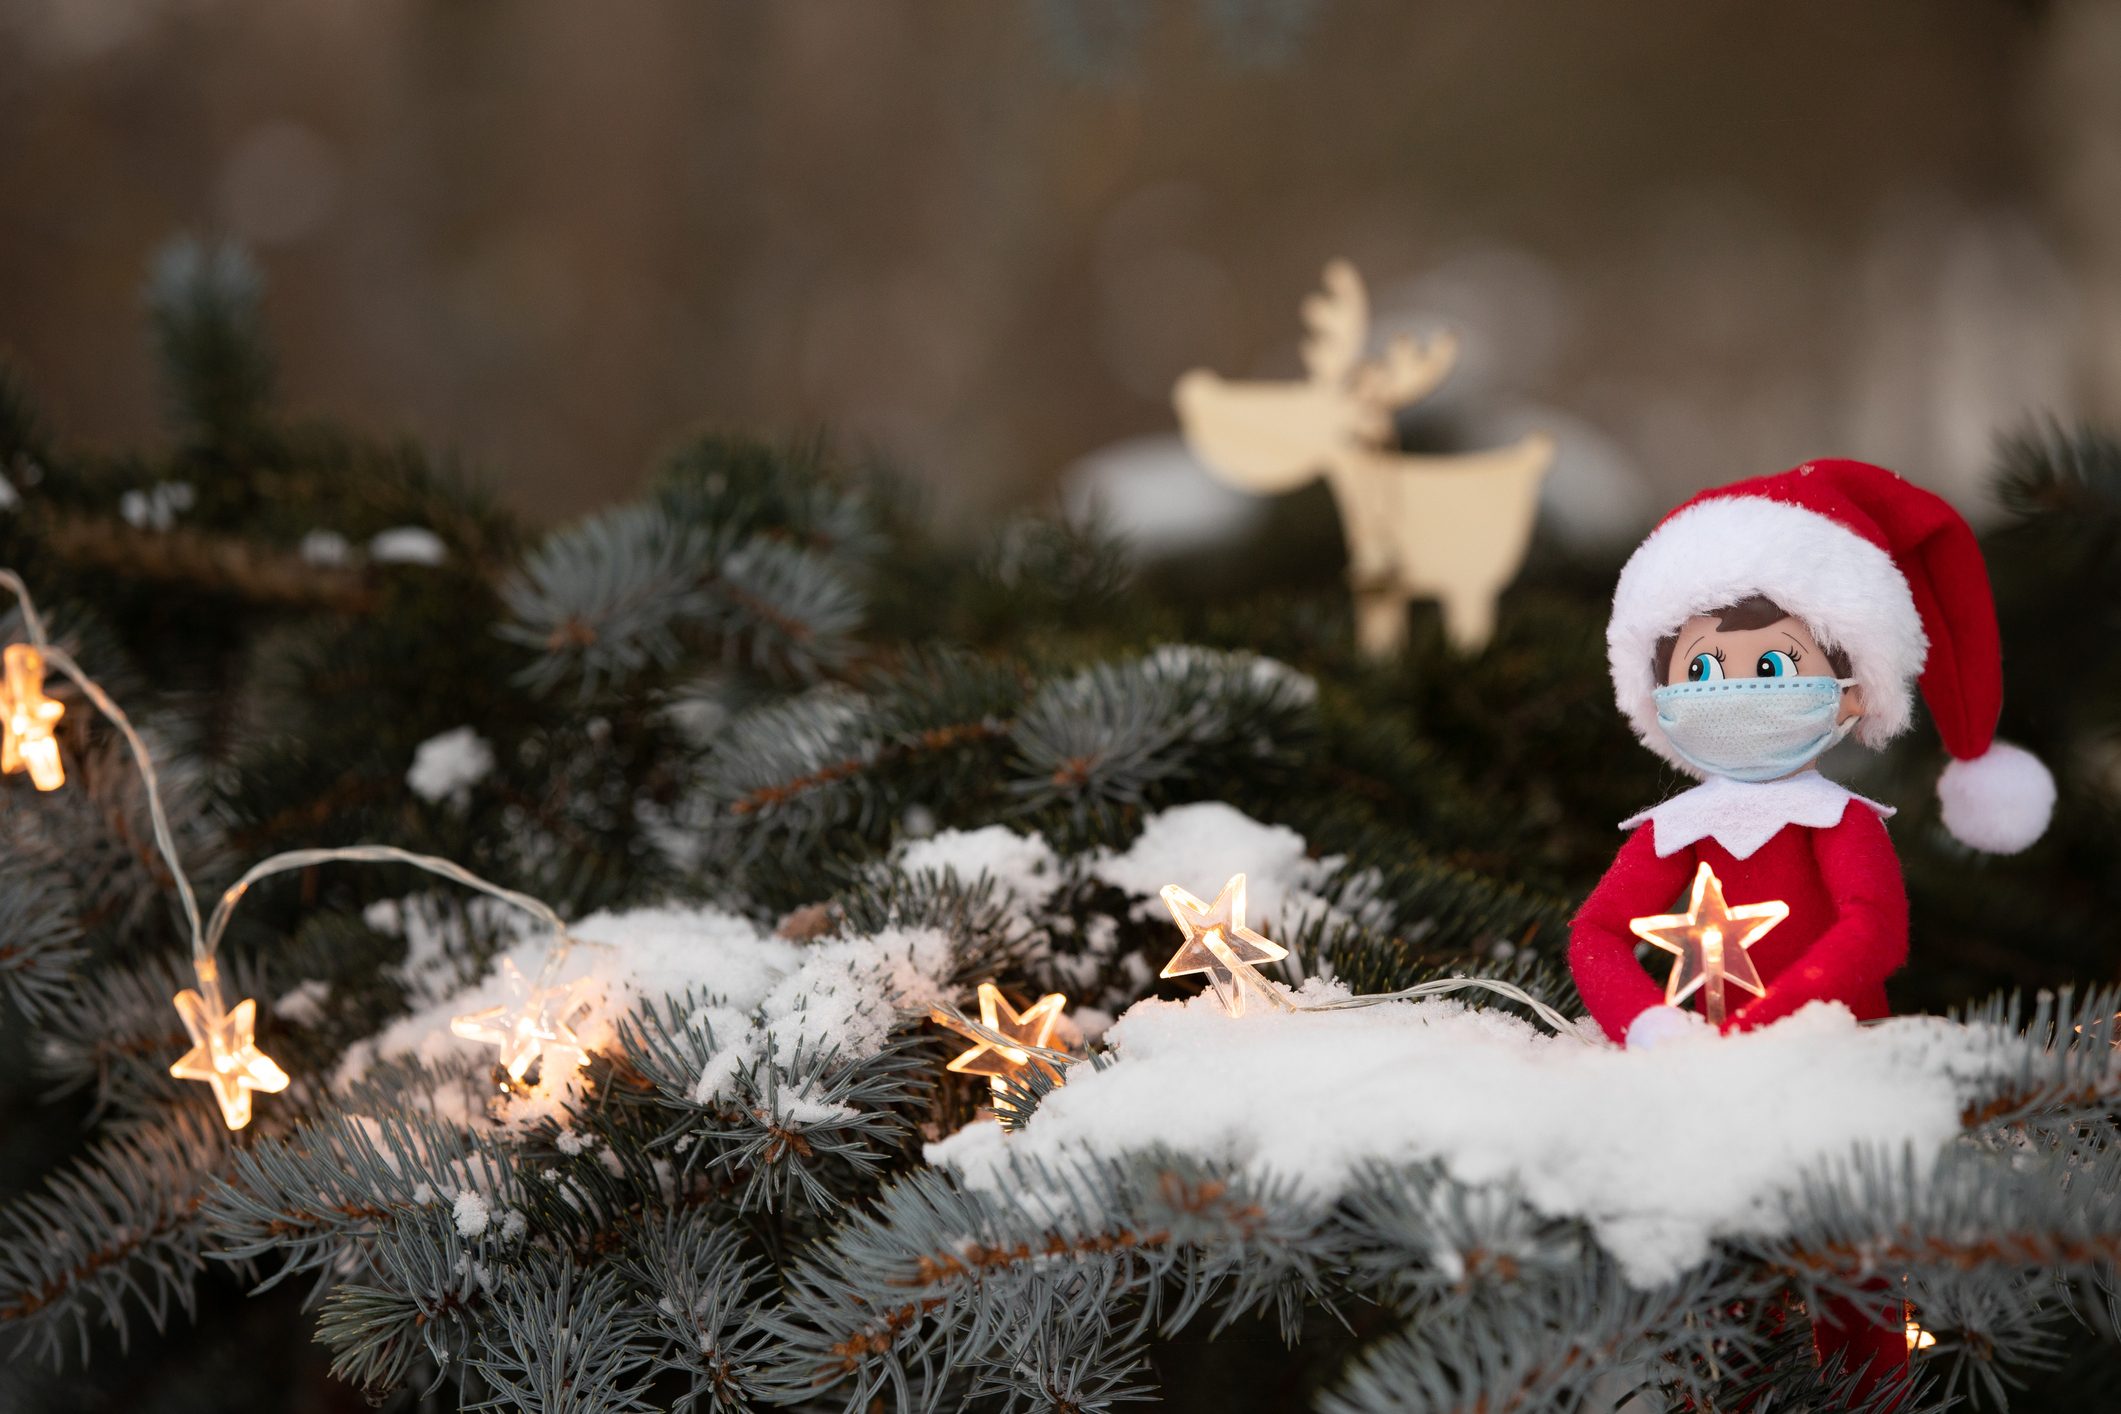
(1875,566)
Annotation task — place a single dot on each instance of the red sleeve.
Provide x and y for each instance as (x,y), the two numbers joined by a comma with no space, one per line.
(1868,939)
(1602,949)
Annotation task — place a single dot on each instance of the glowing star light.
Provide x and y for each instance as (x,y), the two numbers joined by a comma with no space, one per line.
(1033,1026)
(1218,942)
(224,1053)
(1709,943)
(27,717)
(537,1021)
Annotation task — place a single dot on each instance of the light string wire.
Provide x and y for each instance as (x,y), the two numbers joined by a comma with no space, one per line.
(294,859)
(165,841)
(1444,986)
(1247,975)
(206,937)
(996,1041)
(1250,976)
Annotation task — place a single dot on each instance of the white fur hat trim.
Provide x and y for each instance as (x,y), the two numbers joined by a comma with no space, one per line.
(1847,590)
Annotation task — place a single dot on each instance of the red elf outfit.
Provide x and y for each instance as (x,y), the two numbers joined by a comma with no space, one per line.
(1892,576)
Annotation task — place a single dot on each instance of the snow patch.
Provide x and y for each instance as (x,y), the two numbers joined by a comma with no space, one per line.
(325,547)
(158,507)
(407,545)
(1659,1152)
(1159,496)
(447,766)
(304,1006)
(472,1214)
(1022,866)
(794,1104)
(435,926)
(843,995)
(1267,674)
(1199,846)
(767,994)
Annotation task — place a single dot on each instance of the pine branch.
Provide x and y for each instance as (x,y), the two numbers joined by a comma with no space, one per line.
(1438,907)
(787,775)
(560,1341)
(724,558)
(2065,479)
(95,835)
(116,1032)
(607,598)
(1084,755)
(1465,1237)
(38,939)
(702,1321)
(203,562)
(785,609)
(349,1183)
(986,928)
(796,1129)
(205,303)
(425,1297)
(1548,1346)
(2065,1067)
(1163,1236)
(1093,748)
(2031,1207)
(1062,1357)
(119,1228)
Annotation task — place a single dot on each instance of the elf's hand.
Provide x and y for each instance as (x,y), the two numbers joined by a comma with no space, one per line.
(1659,1024)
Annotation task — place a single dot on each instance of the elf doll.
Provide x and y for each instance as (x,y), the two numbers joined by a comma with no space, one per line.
(1759,624)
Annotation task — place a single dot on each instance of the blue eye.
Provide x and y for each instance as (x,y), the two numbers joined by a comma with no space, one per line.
(1704,667)
(1775,664)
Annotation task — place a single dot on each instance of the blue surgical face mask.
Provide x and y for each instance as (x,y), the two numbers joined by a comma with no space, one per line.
(1752,729)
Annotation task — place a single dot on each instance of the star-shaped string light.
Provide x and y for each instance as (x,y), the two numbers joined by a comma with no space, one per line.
(1219,944)
(27,718)
(1033,1027)
(224,1053)
(1709,943)
(536,1022)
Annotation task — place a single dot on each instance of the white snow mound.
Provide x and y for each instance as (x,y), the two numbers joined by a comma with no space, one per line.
(1023,867)
(1199,846)
(768,994)
(1659,1152)
(448,765)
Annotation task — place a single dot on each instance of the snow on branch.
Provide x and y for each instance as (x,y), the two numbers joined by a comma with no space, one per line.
(1661,1153)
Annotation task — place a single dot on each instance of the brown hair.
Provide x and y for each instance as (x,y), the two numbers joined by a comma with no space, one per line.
(1754,611)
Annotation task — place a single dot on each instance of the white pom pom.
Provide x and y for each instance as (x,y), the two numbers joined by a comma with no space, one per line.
(1999,801)
(1656,1025)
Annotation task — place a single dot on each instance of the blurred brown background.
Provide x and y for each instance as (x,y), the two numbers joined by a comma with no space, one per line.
(981,237)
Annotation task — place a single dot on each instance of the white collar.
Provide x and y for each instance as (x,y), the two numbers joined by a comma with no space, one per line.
(1742,816)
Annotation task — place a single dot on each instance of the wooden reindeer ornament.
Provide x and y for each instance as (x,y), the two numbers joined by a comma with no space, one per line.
(1449,528)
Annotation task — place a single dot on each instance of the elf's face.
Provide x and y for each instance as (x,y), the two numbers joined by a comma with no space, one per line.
(1707,652)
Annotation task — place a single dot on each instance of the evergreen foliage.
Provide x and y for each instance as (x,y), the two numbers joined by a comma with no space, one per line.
(750,687)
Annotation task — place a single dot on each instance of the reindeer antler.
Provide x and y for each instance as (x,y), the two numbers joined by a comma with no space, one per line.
(1408,372)
(1339,320)
(1338,317)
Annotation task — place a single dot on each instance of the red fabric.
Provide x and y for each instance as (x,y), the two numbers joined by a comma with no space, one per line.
(1871,1340)
(1935,550)
(1845,934)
